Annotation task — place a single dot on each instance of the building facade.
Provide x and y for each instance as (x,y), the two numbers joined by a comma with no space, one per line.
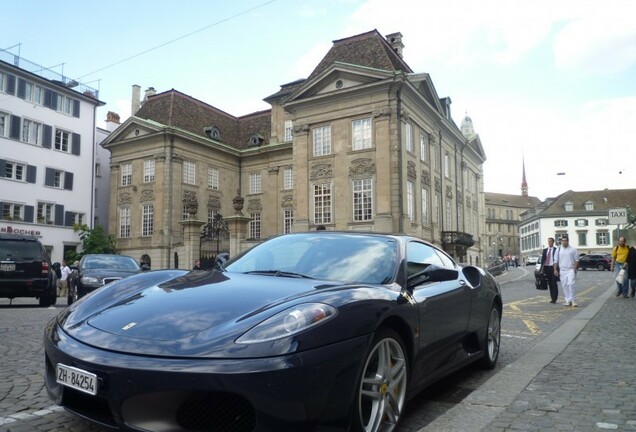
(582,216)
(363,143)
(47,136)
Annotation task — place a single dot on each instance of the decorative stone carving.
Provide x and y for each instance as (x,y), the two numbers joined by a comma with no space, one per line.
(321,171)
(237,203)
(411,171)
(214,203)
(449,191)
(273,170)
(460,197)
(147,195)
(382,113)
(190,202)
(287,201)
(301,130)
(475,204)
(438,185)
(125,198)
(362,166)
(426,177)
(254,205)
(468,202)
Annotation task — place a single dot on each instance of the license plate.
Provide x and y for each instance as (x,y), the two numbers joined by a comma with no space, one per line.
(77,378)
(7,267)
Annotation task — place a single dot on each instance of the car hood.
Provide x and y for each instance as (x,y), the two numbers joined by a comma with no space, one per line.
(195,313)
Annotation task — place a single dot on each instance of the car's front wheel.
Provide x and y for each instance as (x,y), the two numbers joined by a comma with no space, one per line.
(600,267)
(492,340)
(382,387)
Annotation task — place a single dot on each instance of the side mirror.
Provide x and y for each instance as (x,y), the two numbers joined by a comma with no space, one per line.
(432,273)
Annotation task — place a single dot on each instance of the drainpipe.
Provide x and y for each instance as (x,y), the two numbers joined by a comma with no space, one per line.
(170,192)
(441,182)
(399,80)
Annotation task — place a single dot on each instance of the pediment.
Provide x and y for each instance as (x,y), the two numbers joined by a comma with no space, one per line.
(131,129)
(475,145)
(424,86)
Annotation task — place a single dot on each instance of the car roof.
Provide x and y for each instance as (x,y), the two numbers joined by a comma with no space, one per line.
(7,236)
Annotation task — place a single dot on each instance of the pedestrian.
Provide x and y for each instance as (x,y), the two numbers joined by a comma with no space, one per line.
(566,263)
(619,257)
(63,281)
(197,265)
(547,260)
(631,269)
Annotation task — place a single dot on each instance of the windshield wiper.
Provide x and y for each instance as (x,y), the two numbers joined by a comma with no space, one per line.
(277,273)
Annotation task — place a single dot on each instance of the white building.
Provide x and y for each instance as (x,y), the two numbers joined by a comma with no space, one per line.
(583,216)
(47,136)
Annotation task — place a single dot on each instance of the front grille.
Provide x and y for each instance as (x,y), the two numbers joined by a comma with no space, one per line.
(216,412)
(92,407)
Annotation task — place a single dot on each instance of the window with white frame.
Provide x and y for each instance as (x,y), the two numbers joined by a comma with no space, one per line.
(448,222)
(425,210)
(3,82)
(601,222)
(288,221)
(57,178)
(288,178)
(255,183)
(189,174)
(289,131)
(64,104)
(589,205)
(45,212)
(602,238)
(126,174)
(362,200)
(410,200)
(62,140)
(124,222)
(569,206)
(255,225)
(4,121)
(560,223)
(185,214)
(361,134)
(434,158)
(322,203)
(15,170)
(77,218)
(408,137)
(12,211)
(322,141)
(31,131)
(147,220)
(38,94)
(149,170)
(581,223)
(98,170)
(447,167)
(213,178)
(436,208)
(423,146)
(211,214)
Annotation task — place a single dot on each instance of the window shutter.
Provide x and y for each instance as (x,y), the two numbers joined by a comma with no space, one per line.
(31,173)
(15,127)
(21,88)
(69,218)
(3,166)
(29,212)
(76,108)
(47,98)
(11,84)
(75,144)
(1,208)
(68,180)
(49,177)
(53,100)
(59,214)
(47,142)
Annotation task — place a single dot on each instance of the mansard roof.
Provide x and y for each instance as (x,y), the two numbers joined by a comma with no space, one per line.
(602,201)
(176,109)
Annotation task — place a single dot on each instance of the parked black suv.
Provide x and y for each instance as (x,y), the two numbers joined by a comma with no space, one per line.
(25,269)
(599,262)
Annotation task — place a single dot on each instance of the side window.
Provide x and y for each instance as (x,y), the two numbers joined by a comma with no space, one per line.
(419,256)
(448,263)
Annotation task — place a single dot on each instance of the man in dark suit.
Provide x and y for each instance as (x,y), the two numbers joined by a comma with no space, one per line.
(547,260)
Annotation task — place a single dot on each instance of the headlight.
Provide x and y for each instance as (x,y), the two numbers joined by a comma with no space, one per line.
(90,280)
(289,322)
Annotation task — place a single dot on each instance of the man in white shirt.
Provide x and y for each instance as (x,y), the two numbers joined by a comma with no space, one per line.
(566,263)
(63,282)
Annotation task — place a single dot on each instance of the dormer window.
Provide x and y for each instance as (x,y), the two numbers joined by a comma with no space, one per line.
(569,206)
(255,140)
(589,205)
(212,132)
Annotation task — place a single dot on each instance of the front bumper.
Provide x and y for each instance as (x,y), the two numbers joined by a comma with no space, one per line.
(312,390)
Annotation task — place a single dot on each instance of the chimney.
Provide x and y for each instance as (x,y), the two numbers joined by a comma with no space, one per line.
(112,121)
(395,40)
(150,91)
(136,97)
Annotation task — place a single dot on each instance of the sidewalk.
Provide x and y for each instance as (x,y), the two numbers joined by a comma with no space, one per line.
(582,377)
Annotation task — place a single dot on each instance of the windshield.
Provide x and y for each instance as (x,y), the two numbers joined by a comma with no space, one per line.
(115,262)
(348,258)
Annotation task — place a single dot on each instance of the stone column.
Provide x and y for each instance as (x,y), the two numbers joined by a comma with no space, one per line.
(191,242)
(237,227)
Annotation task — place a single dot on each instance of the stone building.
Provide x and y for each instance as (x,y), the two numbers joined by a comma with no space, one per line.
(363,143)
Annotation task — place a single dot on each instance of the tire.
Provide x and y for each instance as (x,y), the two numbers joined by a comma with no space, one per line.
(492,341)
(72,296)
(381,391)
(600,267)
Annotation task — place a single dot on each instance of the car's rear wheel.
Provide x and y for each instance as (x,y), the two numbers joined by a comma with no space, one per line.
(382,387)
(72,295)
(600,267)
(492,340)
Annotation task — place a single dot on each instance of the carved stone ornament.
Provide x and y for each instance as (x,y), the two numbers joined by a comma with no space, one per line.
(426,177)
(468,202)
(254,205)
(287,201)
(382,113)
(438,185)
(214,203)
(147,195)
(475,204)
(460,197)
(190,202)
(362,166)
(273,170)
(321,171)
(411,171)
(431,139)
(124,198)
(449,191)
(301,130)
(237,203)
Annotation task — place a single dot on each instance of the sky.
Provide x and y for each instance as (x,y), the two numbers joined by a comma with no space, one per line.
(549,84)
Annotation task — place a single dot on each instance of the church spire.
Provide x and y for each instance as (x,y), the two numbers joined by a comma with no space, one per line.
(524,183)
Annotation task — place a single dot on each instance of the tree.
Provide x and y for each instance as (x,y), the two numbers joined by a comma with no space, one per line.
(93,241)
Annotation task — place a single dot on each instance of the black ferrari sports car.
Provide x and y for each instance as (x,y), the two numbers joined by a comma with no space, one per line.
(305,332)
